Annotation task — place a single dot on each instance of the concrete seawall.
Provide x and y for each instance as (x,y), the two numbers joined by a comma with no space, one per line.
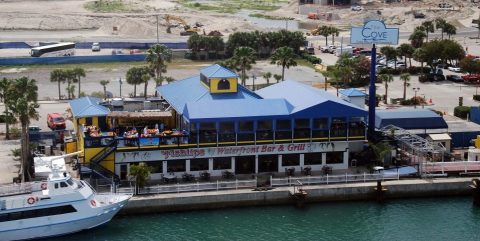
(318,193)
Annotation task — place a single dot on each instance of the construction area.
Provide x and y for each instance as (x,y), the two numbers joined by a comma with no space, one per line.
(142,19)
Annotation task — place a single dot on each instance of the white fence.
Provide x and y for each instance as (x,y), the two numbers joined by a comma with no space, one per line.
(274,182)
(330,179)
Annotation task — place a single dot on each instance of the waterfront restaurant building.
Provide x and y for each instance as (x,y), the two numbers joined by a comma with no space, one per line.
(210,123)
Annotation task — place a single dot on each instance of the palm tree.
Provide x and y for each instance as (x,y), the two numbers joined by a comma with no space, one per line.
(416,38)
(450,29)
(390,53)
(334,32)
(285,57)
(429,27)
(4,86)
(59,76)
(406,50)
(405,78)
(157,58)
(78,73)
(277,77)
(70,89)
(323,31)
(104,83)
(244,57)
(267,77)
(134,77)
(23,104)
(440,24)
(386,78)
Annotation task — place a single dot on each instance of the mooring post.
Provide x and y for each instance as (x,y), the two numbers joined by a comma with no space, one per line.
(476,191)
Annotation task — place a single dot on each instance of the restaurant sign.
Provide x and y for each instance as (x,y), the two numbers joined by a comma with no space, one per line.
(161,155)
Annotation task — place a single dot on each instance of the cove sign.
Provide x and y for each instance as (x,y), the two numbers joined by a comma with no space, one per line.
(374,32)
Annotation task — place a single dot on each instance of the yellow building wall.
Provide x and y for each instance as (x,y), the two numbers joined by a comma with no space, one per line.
(477,142)
(70,147)
(214,85)
(108,162)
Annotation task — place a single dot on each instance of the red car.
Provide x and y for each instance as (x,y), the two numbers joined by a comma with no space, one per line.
(471,78)
(55,121)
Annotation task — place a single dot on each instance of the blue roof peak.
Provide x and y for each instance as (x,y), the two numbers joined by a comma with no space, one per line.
(352,92)
(217,71)
(88,107)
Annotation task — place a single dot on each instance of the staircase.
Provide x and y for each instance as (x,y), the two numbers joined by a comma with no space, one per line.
(97,169)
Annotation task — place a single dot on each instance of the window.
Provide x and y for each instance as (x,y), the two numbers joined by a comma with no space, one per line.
(70,182)
(63,184)
(56,185)
(283,130)
(43,212)
(227,132)
(302,128)
(335,157)
(223,84)
(156,167)
(321,123)
(264,130)
(176,166)
(193,133)
(245,126)
(208,132)
(221,163)
(314,158)
(338,127)
(200,164)
(291,160)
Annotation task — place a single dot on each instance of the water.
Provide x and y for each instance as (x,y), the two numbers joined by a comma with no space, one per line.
(410,219)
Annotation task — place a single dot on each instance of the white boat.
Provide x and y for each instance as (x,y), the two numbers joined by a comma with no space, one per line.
(60,205)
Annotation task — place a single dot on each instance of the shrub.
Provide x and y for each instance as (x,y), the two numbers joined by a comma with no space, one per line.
(11,119)
(423,78)
(461,111)
(312,59)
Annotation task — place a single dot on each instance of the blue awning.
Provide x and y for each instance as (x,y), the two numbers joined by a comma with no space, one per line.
(88,107)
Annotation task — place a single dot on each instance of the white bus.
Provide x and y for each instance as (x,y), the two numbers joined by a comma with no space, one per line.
(60,49)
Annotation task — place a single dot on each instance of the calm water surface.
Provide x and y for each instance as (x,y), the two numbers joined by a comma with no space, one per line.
(411,219)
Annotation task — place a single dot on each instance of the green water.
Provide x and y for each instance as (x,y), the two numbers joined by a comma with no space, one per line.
(410,219)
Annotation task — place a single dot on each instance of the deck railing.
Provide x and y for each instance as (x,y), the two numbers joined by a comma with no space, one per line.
(273,182)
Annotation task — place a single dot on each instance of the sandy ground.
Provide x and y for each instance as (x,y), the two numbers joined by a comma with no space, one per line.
(68,19)
(8,166)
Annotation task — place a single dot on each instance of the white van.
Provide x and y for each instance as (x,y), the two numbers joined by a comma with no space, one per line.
(344,50)
(95,47)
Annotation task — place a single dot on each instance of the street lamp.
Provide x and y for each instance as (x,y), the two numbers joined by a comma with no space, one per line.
(253,82)
(415,89)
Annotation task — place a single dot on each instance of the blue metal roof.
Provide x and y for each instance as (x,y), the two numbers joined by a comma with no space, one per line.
(302,96)
(352,92)
(88,107)
(238,108)
(217,71)
(181,92)
(409,118)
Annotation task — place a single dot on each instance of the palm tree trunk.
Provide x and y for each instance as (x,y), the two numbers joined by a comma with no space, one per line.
(135,90)
(105,92)
(410,62)
(404,90)
(283,72)
(68,89)
(24,163)
(326,40)
(442,33)
(427,35)
(386,92)
(243,76)
(145,90)
(7,125)
(59,93)
(78,87)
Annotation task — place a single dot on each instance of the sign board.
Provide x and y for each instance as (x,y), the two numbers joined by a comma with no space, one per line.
(374,32)
(228,151)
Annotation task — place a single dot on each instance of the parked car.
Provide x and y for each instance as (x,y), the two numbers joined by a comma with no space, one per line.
(470,78)
(95,47)
(454,69)
(434,77)
(55,121)
(34,129)
(326,49)
(454,78)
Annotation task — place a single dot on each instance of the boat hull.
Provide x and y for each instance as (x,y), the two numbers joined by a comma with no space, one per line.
(102,216)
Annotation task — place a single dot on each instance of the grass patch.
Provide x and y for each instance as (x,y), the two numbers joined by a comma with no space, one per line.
(110,6)
(233,6)
(304,62)
(259,15)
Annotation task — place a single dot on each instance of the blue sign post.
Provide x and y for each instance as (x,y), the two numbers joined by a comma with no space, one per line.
(373,32)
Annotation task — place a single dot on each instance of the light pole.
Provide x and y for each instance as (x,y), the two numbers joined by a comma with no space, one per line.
(415,89)
(120,82)
(253,82)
